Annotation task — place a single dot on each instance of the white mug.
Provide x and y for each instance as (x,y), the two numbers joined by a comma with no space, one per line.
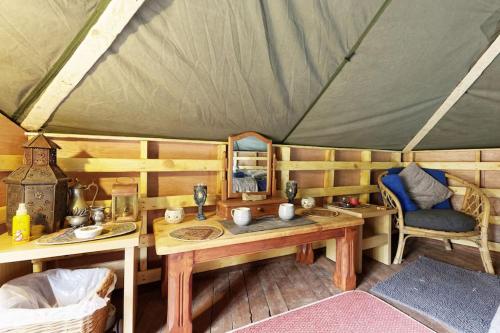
(174,215)
(308,202)
(241,216)
(286,211)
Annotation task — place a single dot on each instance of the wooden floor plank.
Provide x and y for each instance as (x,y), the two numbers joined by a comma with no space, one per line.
(291,293)
(268,289)
(240,309)
(300,285)
(273,295)
(203,292)
(221,313)
(259,309)
(313,281)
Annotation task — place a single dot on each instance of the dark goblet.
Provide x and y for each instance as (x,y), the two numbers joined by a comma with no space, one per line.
(200,196)
(291,190)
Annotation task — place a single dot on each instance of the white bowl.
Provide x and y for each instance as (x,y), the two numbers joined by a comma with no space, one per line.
(88,232)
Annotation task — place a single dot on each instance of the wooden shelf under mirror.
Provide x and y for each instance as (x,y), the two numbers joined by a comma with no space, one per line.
(250,169)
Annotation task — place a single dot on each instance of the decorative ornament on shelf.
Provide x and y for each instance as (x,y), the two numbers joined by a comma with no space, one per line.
(200,196)
(291,190)
(308,202)
(41,184)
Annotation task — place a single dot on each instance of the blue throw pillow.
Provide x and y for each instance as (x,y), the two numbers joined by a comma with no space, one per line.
(437,175)
(395,184)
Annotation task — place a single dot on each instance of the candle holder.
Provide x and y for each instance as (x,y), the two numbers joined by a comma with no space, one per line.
(291,190)
(200,196)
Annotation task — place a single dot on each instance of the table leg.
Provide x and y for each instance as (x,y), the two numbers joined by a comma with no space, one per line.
(164,280)
(129,289)
(179,276)
(38,266)
(305,254)
(344,277)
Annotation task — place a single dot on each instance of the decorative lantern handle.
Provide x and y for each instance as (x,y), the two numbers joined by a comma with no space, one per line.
(95,194)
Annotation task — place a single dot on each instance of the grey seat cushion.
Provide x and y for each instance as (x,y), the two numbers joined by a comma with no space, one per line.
(440,219)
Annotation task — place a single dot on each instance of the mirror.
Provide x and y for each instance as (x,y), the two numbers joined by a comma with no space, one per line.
(249,164)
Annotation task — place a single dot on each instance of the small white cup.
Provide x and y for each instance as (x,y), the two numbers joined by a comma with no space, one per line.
(174,215)
(241,216)
(286,211)
(308,202)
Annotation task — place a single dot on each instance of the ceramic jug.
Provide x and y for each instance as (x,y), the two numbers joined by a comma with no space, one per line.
(78,206)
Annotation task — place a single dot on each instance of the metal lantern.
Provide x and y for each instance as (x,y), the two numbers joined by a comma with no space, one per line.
(39,183)
(125,202)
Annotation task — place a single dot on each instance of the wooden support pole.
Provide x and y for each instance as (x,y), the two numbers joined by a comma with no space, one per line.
(475,72)
(365,175)
(221,175)
(477,174)
(329,177)
(99,38)
(285,153)
(143,193)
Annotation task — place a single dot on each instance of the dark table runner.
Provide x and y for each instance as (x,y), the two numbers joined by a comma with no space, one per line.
(266,223)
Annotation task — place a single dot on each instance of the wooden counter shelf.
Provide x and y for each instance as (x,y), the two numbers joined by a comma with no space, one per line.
(375,239)
(179,257)
(128,243)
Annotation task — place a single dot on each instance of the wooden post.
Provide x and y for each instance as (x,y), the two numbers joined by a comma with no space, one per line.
(221,175)
(180,273)
(285,153)
(477,175)
(365,175)
(329,177)
(143,193)
(129,289)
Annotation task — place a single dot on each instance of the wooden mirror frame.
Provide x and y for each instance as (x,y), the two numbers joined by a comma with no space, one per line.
(269,180)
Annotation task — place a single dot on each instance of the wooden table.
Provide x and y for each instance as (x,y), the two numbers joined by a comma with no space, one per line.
(375,238)
(179,256)
(128,243)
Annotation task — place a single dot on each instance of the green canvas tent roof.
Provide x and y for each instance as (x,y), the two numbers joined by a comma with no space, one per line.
(339,73)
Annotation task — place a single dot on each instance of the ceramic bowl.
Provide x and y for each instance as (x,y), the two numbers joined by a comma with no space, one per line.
(308,202)
(88,232)
(76,221)
(174,215)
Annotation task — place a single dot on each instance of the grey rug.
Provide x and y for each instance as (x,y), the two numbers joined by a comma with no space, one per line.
(265,223)
(463,300)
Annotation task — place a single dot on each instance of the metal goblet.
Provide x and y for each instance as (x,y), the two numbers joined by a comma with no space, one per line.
(200,197)
(291,190)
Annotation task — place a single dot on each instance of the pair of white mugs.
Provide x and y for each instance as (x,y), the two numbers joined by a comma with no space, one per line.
(243,215)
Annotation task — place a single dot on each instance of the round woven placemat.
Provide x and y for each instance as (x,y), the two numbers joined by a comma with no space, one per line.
(320,213)
(197,233)
(341,205)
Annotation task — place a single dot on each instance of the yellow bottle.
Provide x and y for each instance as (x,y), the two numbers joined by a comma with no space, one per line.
(21,225)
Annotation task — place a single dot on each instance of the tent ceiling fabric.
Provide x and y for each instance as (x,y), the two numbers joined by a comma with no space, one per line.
(205,70)
(474,121)
(409,63)
(33,35)
(184,70)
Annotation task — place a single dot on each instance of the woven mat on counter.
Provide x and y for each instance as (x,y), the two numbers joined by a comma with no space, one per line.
(267,223)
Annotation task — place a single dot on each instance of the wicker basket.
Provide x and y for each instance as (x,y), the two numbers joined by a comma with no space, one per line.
(94,323)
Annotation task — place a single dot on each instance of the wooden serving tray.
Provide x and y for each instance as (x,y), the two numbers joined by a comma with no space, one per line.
(67,236)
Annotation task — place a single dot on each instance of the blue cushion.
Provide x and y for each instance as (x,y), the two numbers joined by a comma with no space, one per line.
(437,175)
(395,184)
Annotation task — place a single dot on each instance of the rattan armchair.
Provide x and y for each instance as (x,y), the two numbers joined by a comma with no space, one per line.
(475,203)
